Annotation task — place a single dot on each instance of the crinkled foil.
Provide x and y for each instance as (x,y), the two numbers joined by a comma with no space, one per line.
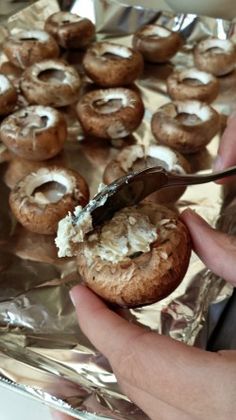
(43,353)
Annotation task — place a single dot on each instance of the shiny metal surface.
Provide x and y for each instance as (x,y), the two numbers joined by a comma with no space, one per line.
(43,352)
(134,187)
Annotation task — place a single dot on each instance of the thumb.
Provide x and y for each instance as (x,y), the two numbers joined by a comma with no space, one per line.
(216,249)
(227,150)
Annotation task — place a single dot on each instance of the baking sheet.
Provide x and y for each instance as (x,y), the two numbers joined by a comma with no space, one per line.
(43,353)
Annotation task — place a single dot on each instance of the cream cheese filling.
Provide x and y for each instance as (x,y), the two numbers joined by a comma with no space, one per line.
(70,233)
(129,232)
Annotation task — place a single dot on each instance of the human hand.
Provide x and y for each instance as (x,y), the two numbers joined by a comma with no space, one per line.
(170,380)
(165,378)
(227,147)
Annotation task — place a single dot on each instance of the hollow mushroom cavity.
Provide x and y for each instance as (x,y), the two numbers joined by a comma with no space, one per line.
(42,198)
(112,65)
(187,126)
(56,183)
(192,84)
(110,113)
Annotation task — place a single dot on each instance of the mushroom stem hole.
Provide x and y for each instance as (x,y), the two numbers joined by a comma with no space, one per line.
(51,75)
(192,81)
(148,162)
(112,55)
(28,39)
(52,191)
(105,106)
(215,50)
(187,119)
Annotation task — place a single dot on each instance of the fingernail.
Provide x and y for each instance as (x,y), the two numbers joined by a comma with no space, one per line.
(75,293)
(72,297)
(196,217)
(218,164)
(188,211)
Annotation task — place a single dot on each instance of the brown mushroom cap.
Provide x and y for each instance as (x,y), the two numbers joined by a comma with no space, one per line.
(18,168)
(192,84)
(35,132)
(217,56)
(51,83)
(148,277)
(136,157)
(110,113)
(156,43)
(70,30)
(39,211)
(8,95)
(28,47)
(187,126)
(112,65)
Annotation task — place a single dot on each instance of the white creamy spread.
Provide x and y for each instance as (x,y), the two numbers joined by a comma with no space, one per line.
(129,232)
(69,232)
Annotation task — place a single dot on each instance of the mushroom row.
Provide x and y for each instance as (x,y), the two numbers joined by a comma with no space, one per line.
(111,108)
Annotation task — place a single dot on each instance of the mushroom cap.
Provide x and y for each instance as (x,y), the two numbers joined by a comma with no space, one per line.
(28,47)
(35,132)
(18,168)
(70,30)
(38,213)
(187,126)
(111,65)
(217,56)
(110,113)
(192,84)
(146,278)
(136,157)
(54,91)
(156,43)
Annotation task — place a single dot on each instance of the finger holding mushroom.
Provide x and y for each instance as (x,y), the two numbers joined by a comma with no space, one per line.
(192,84)
(138,257)
(8,95)
(216,56)
(70,30)
(112,65)
(51,83)
(136,157)
(186,126)
(156,43)
(45,196)
(110,113)
(35,132)
(28,47)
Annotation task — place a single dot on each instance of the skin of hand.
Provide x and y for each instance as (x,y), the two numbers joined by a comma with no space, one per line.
(167,379)
(227,149)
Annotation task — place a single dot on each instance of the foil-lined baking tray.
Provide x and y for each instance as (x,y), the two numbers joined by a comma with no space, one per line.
(43,353)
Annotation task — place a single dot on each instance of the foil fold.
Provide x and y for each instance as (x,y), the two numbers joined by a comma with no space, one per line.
(43,353)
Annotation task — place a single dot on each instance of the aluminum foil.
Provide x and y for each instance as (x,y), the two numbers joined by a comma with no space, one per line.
(43,353)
